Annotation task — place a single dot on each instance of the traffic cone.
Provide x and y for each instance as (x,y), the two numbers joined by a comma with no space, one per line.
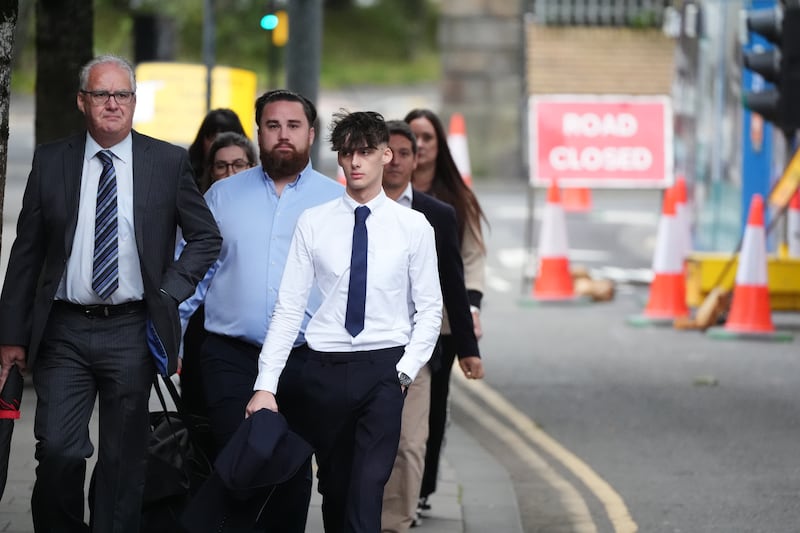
(457,142)
(553,279)
(793,225)
(682,213)
(576,199)
(750,315)
(667,300)
(340,175)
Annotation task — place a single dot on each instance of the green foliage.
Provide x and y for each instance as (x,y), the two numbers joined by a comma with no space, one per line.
(390,42)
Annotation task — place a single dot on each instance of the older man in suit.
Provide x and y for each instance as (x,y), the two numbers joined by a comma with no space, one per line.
(402,489)
(91,271)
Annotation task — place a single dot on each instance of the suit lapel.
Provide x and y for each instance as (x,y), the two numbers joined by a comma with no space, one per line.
(73,164)
(142,179)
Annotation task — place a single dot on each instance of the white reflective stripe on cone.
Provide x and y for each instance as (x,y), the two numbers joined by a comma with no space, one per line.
(752,268)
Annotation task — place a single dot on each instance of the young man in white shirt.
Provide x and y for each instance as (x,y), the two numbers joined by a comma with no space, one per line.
(364,350)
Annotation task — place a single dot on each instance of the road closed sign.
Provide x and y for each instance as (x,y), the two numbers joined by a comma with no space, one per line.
(601,141)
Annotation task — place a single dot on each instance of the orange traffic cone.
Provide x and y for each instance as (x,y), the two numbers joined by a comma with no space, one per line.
(340,175)
(553,280)
(682,213)
(793,225)
(577,199)
(750,315)
(457,142)
(667,299)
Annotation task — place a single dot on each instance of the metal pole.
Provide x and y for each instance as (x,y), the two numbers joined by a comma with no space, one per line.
(209,37)
(304,53)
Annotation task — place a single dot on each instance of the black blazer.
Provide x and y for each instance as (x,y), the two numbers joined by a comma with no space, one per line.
(164,197)
(442,217)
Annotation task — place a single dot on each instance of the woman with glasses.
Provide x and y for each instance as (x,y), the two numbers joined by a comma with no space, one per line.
(215,122)
(229,153)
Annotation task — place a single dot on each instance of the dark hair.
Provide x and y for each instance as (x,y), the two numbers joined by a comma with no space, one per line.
(448,185)
(216,121)
(282,95)
(398,127)
(223,140)
(351,131)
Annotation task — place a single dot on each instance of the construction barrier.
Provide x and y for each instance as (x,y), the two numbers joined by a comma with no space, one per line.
(576,199)
(459,148)
(553,279)
(750,315)
(667,299)
(682,213)
(793,226)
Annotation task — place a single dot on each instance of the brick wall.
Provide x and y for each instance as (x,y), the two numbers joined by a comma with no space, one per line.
(598,60)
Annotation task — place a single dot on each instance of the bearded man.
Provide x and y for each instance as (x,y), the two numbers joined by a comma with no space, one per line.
(257,211)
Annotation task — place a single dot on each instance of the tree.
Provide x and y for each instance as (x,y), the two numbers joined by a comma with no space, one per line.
(64,43)
(8,20)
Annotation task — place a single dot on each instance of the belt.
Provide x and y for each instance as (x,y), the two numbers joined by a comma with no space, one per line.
(101,310)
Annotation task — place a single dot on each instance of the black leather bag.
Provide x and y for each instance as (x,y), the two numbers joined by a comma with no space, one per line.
(177,463)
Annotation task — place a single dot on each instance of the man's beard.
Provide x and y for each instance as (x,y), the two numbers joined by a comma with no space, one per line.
(279,164)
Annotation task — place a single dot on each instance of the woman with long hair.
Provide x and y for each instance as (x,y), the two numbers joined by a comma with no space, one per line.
(216,121)
(437,175)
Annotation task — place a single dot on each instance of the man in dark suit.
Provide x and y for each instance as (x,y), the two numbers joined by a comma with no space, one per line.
(402,490)
(91,271)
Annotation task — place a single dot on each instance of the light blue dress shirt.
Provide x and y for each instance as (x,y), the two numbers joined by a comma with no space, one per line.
(241,288)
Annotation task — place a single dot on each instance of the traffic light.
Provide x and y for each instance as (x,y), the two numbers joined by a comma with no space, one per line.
(780,65)
(281,32)
(278,23)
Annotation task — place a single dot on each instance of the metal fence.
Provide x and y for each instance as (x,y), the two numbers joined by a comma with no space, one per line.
(636,13)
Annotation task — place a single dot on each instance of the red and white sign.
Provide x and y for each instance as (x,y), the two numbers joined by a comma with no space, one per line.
(601,141)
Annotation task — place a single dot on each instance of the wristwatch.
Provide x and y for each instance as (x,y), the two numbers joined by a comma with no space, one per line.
(405,381)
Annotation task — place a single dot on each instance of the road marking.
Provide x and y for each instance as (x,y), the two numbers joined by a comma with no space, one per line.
(519,257)
(615,507)
(578,515)
(600,216)
(629,218)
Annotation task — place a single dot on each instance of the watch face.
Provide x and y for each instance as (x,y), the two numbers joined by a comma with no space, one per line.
(404,379)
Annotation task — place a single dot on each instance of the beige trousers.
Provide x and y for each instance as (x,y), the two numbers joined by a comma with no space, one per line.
(401,492)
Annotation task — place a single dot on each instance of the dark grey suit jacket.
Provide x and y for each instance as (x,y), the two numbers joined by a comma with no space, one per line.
(451,273)
(164,197)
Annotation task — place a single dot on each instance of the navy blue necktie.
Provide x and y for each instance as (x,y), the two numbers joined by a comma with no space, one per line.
(105,266)
(357,293)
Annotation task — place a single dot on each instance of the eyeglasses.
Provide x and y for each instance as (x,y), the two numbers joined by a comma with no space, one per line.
(220,167)
(101,97)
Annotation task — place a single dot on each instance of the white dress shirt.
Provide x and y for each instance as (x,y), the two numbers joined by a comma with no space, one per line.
(76,283)
(401,267)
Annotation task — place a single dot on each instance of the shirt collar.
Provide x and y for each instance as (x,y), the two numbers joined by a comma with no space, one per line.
(407,196)
(373,204)
(297,181)
(122,150)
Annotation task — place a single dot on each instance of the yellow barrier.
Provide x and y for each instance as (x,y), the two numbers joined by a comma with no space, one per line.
(171,98)
(704,268)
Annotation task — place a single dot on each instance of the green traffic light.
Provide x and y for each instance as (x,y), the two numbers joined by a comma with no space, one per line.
(269,21)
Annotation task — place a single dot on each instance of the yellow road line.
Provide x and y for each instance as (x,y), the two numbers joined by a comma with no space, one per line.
(578,515)
(613,503)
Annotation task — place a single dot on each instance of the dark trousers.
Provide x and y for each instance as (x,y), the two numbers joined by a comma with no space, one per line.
(355,405)
(437,418)
(191,381)
(229,368)
(82,359)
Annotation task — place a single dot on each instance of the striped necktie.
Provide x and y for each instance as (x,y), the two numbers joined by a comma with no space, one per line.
(105,266)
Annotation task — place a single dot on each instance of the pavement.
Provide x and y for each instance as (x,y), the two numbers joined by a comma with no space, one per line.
(474,492)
